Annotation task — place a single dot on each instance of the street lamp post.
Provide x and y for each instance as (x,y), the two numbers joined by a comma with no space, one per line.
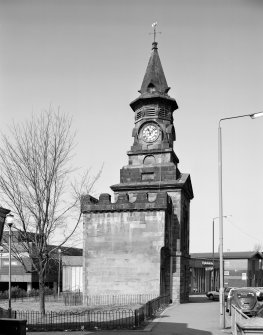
(59,261)
(221,260)
(213,247)
(9,221)
(1,252)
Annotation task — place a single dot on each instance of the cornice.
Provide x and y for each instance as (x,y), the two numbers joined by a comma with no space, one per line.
(183,183)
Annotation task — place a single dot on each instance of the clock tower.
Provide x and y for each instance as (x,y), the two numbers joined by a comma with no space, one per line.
(138,244)
(153,164)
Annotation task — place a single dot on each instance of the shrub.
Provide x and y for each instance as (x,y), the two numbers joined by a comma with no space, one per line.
(17,292)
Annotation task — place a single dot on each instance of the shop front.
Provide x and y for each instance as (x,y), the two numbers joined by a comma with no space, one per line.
(204,275)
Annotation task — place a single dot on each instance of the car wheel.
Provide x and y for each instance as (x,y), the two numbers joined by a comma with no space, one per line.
(211,297)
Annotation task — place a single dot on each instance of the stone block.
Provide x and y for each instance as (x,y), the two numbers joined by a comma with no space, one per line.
(105,198)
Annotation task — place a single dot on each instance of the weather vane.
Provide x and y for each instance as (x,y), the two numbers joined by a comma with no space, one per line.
(154,31)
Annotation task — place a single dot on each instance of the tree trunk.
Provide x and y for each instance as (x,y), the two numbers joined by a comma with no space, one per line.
(41,292)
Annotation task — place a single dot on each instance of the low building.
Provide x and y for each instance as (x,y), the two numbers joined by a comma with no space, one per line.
(72,273)
(201,269)
(26,277)
(241,268)
(204,274)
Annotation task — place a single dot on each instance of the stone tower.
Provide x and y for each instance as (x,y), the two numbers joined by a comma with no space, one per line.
(139,244)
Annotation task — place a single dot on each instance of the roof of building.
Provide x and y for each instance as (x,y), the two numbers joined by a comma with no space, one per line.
(22,243)
(72,260)
(70,251)
(229,255)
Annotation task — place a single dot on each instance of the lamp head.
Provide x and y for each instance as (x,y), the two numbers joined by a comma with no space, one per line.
(256,115)
(9,220)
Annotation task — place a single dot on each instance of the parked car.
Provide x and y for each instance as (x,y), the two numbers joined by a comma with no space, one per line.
(227,290)
(214,295)
(259,292)
(243,298)
(229,299)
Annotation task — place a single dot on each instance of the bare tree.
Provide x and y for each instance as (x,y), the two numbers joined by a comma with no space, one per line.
(258,247)
(34,182)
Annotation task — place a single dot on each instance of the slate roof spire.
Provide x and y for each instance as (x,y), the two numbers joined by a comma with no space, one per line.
(154,86)
(154,80)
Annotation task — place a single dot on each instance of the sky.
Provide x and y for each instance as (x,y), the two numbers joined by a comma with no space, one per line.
(88,57)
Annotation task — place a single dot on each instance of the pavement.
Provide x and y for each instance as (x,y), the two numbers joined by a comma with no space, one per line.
(198,317)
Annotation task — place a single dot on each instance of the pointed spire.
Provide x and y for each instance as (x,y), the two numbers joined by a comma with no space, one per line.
(154,79)
(154,85)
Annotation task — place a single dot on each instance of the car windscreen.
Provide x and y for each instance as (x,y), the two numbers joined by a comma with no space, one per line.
(245,295)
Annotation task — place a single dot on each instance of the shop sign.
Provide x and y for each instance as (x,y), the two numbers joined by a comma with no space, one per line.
(207,263)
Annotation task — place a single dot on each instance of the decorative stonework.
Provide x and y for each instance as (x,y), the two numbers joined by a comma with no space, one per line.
(126,202)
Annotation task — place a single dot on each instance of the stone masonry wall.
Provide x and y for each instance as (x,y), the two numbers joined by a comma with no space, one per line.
(122,252)
(137,245)
(180,250)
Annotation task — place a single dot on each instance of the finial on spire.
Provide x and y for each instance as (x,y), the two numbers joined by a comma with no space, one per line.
(154,32)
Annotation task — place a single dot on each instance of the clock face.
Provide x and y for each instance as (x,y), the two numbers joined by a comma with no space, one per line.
(150,133)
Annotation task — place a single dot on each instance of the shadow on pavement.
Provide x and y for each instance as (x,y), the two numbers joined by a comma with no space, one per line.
(200,298)
(160,329)
(177,329)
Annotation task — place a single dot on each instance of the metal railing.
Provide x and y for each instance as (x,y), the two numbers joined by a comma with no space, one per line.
(121,318)
(72,298)
(236,315)
(118,319)
(120,299)
(151,309)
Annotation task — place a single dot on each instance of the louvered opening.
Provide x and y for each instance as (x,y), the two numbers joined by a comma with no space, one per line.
(138,115)
(146,111)
(164,113)
(150,112)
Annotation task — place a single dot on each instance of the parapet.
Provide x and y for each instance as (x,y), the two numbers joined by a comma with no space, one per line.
(126,202)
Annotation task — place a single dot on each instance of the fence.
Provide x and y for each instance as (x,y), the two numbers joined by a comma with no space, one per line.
(236,315)
(78,320)
(120,299)
(72,298)
(76,298)
(87,320)
(151,309)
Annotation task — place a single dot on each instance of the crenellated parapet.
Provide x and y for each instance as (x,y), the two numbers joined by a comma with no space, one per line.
(126,202)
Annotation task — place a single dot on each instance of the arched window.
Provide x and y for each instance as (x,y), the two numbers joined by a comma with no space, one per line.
(149,160)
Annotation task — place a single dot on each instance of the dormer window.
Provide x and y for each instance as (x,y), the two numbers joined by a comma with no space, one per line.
(151,88)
